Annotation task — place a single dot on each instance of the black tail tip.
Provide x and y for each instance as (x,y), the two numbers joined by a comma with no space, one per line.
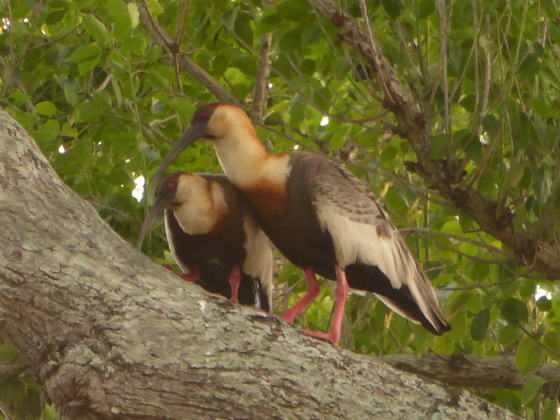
(441,329)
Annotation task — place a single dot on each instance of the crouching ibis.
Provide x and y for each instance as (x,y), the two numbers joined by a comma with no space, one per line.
(214,237)
(321,217)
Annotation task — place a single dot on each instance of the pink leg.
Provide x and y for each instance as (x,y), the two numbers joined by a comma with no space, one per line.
(234,280)
(193,276)
(312,292)
(341,292)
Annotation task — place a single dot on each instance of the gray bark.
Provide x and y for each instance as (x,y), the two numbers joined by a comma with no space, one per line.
(112,335)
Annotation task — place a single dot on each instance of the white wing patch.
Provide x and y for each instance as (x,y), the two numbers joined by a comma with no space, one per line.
(258,263)
(360,242)
(170,242)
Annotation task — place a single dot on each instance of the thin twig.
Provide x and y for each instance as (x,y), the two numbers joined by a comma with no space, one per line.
(260,94)
(186,64)
(480,244)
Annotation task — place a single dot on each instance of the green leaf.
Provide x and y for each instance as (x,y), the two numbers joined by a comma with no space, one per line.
(541,106)
(45,108)
(468,102)
(293,10)
(528,355)
(550,411)
(56,16)
(87,112)
(426,8)
(297,112)
(392,7)
(516,173)
(291,41)
(508,335)
(544,304)
(134,14)
(120,14)
(95,28)
(338,140)
(531,387)
(480,325)
(48,131)
(82,151)
(552,339)
(70,92)
(527,288)
(514,311)
(453,226)
(439,146)
(86,66)
(243,29)
(228,19)
(84,53)
(135,44)
(19,97)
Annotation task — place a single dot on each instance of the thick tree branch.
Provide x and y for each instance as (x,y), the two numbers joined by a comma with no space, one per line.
(443,176)
(475,371)
(112,335)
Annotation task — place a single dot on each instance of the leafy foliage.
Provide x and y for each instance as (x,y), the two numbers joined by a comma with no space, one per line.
(93,83)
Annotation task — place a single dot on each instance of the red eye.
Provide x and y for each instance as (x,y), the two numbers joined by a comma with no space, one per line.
(202,116)
(171,187)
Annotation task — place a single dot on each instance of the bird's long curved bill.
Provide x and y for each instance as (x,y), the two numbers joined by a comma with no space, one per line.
(190,136)
(158,207)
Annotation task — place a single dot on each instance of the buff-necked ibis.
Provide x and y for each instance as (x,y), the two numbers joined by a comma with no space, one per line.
(214,237)
(321,217)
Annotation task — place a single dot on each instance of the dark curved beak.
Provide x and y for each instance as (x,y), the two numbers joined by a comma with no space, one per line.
(158,207)
(191,135)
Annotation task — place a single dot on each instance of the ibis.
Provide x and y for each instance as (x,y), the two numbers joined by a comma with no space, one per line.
(321,217)
(214,237)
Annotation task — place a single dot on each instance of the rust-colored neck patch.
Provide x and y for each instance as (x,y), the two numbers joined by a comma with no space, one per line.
(269,199)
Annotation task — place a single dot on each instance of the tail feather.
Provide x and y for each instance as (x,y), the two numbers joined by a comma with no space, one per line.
(401,300)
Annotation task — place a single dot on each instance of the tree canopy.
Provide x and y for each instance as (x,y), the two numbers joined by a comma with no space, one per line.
(447,111)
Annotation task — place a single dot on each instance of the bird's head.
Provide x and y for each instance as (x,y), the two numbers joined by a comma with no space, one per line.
(171,193)
(214,122)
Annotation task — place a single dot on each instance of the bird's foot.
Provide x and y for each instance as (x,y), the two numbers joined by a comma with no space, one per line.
(169,268)
(332,336)
(289,316)
(192,277)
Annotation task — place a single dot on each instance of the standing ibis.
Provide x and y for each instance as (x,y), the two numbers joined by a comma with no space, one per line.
(214,237)
(321,217)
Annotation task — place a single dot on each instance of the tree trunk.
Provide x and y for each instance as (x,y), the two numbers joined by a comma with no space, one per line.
(111,335)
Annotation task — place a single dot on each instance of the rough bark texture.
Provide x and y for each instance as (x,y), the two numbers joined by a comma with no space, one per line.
(444,175)
(110,334)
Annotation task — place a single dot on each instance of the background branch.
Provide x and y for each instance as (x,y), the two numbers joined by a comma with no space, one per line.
(441,175)
(185,63)
(475,371)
